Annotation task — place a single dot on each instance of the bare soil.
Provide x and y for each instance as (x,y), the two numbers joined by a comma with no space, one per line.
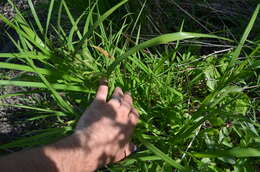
(10,125)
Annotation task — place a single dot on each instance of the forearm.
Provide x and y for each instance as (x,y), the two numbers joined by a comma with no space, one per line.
(64,156)
(32,160)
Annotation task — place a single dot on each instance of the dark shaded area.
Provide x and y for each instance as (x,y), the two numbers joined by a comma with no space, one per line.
(7,11)
(14,121)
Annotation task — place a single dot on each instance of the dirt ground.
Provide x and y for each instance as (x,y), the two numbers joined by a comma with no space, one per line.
(12,119)
(10,127)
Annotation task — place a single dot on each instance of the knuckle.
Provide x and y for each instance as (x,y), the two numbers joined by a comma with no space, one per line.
(126,105)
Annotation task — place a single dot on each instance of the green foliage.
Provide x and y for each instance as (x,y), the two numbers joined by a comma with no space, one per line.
(196,112)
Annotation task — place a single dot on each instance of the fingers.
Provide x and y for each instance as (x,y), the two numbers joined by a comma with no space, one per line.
(133,117)
(126,104)
(123,104)
(102,92)
(116,99)
(130,148)
(128,99)
(121,100)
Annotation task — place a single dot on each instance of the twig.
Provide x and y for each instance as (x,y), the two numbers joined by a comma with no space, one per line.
(247,88)
(204,57)
(217,52)
(190,144)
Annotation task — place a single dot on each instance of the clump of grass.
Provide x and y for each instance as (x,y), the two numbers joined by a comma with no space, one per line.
(196,112)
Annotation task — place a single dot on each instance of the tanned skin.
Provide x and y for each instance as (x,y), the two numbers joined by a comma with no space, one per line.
(102,136)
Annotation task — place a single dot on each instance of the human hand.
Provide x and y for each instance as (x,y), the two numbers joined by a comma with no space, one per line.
(106,127)
(102,136)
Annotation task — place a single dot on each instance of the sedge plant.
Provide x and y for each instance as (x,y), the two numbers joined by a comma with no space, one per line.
(196,112)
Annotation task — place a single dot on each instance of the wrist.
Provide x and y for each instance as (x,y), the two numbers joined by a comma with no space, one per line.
(70,154)
(90,150)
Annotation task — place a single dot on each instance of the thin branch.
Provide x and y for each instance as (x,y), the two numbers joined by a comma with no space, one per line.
(204,57)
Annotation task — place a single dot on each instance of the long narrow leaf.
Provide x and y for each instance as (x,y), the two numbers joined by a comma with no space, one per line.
(19,94)
(163,39)
(27,33)
(246,33)
(73,22)
(89,19)
(35,16)
(98,22)
(31,108)
(23,68)
(39,70)
(61,102)
(235,152)
(43,138)
(41,85)
(49,17)
(164,157)
(24,55)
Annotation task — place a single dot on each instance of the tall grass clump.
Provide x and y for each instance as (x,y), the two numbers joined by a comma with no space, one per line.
(198,113)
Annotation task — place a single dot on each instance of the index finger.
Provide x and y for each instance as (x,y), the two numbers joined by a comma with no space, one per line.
(102,92)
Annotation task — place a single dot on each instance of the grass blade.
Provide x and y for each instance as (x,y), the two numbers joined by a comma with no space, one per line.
(23,68)
(35,16)
(73,22)
(43,138)
(19,94)
(62,103)
(98,22)
(31,108)
(164,157)
(89,19)
(40,70)
(74,29)
(246,33)
(163,39)
(27,33)
(24,55)
(235,152)
(40,117)
(49,17)
(108,13)
(41,85)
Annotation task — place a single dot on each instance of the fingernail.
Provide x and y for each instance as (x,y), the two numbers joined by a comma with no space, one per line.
(135,148)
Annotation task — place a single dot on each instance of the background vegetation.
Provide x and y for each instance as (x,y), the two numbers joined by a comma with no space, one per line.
(193,73)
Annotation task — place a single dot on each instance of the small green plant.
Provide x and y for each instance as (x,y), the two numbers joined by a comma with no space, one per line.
(195,111)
